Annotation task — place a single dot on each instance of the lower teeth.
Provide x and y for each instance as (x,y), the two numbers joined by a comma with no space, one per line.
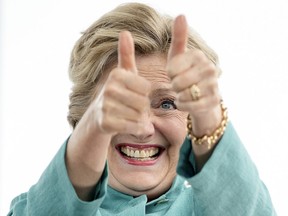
(143,159)
(140,159)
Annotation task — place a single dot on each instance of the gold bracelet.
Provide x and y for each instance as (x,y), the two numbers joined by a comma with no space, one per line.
(210,139)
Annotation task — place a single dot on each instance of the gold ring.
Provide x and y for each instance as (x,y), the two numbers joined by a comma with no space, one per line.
(195,92)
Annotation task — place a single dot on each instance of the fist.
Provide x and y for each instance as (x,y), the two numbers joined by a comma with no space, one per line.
(124,96)
(188,68)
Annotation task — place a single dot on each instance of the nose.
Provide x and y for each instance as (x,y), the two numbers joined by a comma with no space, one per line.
(146,129)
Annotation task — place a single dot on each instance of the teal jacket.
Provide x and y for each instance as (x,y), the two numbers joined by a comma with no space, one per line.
(228,184)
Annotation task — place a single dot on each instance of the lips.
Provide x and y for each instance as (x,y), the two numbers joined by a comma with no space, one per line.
(141,155)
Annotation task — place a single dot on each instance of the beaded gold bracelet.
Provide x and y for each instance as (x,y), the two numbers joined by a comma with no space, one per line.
(209,139)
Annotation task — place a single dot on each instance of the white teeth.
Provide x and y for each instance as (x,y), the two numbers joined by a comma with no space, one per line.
(136,153)
(142,154)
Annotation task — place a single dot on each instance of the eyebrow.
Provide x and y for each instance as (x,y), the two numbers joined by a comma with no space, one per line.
(162,91)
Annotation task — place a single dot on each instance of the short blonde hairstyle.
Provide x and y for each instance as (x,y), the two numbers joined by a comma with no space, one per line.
(96,50)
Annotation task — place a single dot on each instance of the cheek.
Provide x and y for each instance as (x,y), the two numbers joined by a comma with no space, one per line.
(174,129)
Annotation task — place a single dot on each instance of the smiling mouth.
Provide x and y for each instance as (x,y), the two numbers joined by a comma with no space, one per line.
(139,153)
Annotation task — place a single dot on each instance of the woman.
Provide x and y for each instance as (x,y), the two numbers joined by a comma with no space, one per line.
(139,88)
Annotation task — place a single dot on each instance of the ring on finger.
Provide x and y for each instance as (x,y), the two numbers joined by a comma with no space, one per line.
(195,92)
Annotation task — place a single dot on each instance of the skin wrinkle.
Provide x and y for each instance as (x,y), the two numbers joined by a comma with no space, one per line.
(160,125)
(161,75)
(154,127)
(157,179)
(162,84)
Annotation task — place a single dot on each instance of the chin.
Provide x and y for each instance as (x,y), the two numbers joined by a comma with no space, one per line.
(139,183)
(150,172)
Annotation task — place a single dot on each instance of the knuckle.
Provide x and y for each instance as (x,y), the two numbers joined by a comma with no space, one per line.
(110,90)
(199,55)
(105,109)
(177,64)
(114,73)
(171,67)
(133,115)
(108,93)
(213,86)
(117,74)
(210,69)
(105,125)
(215,100)
(180,105)
(142,104)
(175,84)
(181,96)
(144,86)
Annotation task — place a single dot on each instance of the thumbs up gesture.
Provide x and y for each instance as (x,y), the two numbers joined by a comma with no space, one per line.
(195,80)
(124,96)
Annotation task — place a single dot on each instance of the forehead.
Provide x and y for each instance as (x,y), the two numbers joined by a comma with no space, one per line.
(153,68)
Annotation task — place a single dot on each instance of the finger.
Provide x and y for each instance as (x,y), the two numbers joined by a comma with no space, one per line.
(114,124)
(135,101)
(126,52)
(120,111)
(185,79)
(201,71)
(208,88)
(126,97)
(184,61)
(131,81)
(200,106)
(179,37)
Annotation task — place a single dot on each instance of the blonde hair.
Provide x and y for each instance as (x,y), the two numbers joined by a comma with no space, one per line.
(96,50)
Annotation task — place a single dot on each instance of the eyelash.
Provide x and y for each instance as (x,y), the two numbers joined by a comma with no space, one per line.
(168,100)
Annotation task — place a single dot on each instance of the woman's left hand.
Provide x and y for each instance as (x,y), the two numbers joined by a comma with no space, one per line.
(195,80)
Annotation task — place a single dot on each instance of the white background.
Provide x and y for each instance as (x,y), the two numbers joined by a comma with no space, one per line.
(251,38)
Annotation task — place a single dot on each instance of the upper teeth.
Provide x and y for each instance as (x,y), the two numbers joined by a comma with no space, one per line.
(139,153)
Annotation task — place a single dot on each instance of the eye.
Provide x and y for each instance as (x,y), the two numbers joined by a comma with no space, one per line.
(168,104)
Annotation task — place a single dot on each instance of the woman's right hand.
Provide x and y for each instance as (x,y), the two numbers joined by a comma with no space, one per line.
(117,109)
(124,97)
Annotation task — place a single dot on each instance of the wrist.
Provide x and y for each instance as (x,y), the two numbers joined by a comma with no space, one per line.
(210,134)
(207,122)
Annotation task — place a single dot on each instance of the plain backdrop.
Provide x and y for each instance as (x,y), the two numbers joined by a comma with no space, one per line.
(250,37)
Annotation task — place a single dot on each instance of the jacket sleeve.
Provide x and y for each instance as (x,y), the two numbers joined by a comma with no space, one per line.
(54,194)
(229,183)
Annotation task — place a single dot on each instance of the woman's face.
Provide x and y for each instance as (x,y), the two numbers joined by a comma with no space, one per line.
(145,163)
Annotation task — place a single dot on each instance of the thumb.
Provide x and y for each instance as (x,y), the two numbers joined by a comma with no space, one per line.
(126,52)
(179,36)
